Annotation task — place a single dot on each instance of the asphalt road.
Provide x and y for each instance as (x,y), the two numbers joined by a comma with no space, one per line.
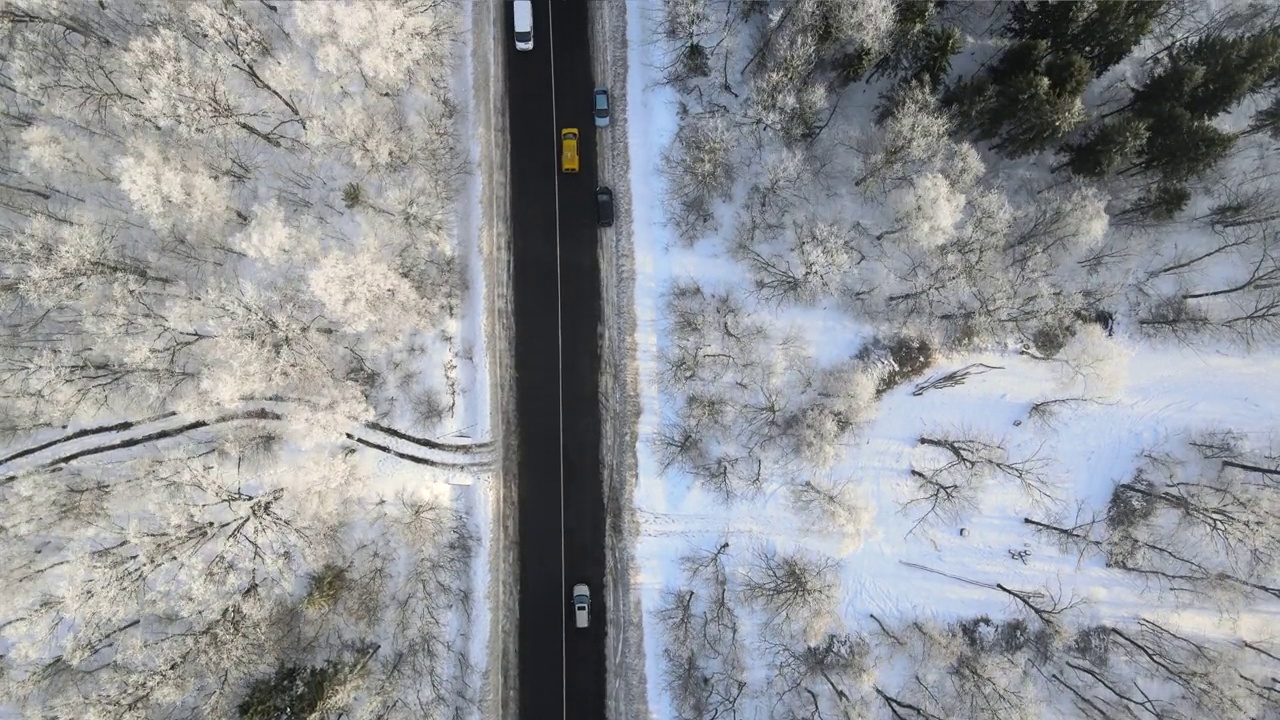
(556,287)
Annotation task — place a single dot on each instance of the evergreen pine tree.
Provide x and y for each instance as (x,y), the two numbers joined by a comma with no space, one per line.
(1181,147)
(1161,202)
(1211,75)
(1107,147)
(1030,98)
(917,50)
(292,692)
(1049,21)
(1103,32)
(1198,82)
(930,61)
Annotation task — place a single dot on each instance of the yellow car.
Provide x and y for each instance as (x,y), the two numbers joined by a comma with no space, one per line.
(569,150)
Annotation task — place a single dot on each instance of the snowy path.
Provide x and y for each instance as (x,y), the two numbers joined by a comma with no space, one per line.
(99,440)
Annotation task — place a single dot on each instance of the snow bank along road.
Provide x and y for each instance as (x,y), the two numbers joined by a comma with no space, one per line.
(557,315)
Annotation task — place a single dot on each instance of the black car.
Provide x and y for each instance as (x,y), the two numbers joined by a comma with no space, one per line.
(604,206)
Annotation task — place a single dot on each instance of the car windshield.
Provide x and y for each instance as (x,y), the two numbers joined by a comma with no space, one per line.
(524,37)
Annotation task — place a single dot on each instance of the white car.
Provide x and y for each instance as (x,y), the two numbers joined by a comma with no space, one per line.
(600,107)
(581,605)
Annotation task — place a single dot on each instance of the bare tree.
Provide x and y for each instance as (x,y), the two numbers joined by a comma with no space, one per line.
(792,587)
(1046,411)
(835,505)
(804,57)
(965,282)
(988,684)
(1047,607)
(949,486)
(1244,199)
(1093,361)
(700,168)
(1188,520)
(1244,304)
(843,400)
(1204,495)
(699,41)
(1058,230)
(1258,682)
(751,407)
(815,266)
(231,547)
(822,679)
(955,378)
(977,668)
(713,333)
(942,497)
(929,211)
(1191,665)
(703,656)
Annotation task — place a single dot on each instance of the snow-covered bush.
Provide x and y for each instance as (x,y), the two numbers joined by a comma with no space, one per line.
(895,360)
(929,210)
(915,138)
(700,169)
(1096,360)
(835,506)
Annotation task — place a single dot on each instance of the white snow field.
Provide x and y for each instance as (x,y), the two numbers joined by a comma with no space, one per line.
(247,451)
(848,509)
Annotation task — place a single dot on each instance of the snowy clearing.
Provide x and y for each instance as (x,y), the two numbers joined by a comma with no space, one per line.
(945,411)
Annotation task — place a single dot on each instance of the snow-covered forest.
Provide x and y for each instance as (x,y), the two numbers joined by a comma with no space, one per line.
(243,414)
(956,326)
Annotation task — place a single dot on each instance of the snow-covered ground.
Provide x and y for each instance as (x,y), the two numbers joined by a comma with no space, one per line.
(247,462)
(1085,449)
(626,692)
(488,126)
(914,534)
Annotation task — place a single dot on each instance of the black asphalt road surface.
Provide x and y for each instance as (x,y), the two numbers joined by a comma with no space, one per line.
(557,318)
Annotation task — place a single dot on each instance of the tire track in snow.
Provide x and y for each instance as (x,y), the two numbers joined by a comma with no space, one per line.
(119,436)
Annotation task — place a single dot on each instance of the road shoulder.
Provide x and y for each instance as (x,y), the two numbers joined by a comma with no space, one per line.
(499,693)
(619,395)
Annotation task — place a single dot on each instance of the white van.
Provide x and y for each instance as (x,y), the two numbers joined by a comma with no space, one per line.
(524,25)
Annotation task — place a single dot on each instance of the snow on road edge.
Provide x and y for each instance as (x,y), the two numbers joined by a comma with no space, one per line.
(475,365)
(625,693)
(498,690)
